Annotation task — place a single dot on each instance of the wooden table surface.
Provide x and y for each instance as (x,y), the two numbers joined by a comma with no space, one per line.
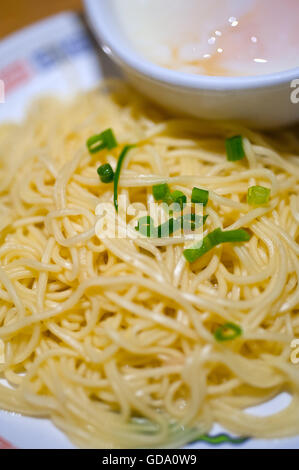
(15,14)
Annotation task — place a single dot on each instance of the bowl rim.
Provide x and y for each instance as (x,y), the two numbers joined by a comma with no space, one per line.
(154,72)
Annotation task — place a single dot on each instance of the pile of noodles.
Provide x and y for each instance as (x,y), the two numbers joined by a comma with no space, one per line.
(112,339)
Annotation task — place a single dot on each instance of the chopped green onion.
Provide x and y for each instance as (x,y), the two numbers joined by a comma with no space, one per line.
(179,198)
(222,438)
(121,158)
(219,236)
(161,191)
(101,141)
(192,254)
(258,195)
(106,173)
(227,332)
(213,239)
(109,138)
(234,148)
(200,196)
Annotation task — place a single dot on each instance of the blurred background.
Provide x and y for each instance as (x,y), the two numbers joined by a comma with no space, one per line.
(16,14)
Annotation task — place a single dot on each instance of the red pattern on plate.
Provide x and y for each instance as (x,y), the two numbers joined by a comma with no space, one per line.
(15,74)
(5,444)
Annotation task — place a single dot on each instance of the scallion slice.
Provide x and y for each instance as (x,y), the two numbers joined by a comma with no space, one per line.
(106,173)
(120,161)
(101,141)
(227,332)
(213,239)
(234,148)
(200,196)
(192,254)
(222,438)
(160,191)
(179,198)
(258,195)
(221,236)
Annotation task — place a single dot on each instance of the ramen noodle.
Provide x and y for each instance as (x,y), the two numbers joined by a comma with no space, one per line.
(117,340)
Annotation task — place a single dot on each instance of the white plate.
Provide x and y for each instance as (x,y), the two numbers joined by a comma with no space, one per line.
(57,56)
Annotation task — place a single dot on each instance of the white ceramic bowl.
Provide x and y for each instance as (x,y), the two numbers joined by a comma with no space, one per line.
(262,101)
